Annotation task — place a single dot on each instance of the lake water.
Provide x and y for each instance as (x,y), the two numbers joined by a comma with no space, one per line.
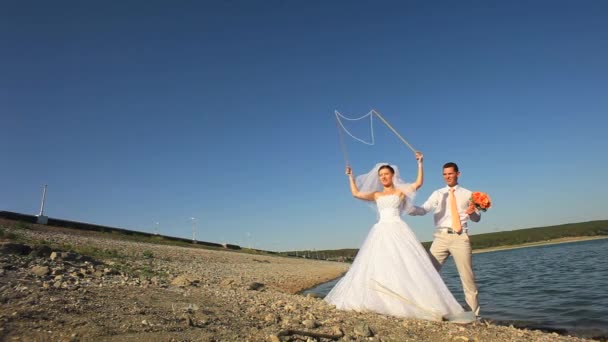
(561,287)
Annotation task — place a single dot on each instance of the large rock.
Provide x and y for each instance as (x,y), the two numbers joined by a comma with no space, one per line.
(362,329)
(40,271)
(310,324)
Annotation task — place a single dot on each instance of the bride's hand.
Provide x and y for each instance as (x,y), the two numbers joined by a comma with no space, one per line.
(349,171)
(419,157)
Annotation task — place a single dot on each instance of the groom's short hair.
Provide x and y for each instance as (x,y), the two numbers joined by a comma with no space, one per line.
(451,164)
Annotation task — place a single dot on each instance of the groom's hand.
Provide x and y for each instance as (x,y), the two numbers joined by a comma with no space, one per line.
(470,210)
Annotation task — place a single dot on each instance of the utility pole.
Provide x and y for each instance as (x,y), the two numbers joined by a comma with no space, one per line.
(41,218)
(43,199)
(193,229)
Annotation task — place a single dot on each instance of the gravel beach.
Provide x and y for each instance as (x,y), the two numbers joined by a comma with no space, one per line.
(59,284)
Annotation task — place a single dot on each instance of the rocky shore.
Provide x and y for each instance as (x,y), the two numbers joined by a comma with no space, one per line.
(59,284)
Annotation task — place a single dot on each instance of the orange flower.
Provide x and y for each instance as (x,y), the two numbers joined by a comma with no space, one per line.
(481,200)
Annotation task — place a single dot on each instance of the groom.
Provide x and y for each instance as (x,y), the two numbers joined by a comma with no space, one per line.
(452,211)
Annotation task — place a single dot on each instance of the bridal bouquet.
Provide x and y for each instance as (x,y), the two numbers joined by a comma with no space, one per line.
(481,201)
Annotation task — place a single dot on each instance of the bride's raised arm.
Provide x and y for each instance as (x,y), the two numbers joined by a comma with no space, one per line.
(420,180)
(353,187)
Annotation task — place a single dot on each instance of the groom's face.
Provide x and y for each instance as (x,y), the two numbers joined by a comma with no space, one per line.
(450,176)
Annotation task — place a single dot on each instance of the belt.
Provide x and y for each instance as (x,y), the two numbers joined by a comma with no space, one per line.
(449,230)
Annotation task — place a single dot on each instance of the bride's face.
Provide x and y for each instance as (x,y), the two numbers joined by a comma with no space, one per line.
(386,177)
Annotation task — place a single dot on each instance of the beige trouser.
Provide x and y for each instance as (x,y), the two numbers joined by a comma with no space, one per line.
(459,247)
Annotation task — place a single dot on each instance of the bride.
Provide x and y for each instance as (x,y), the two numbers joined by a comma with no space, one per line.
(392,273)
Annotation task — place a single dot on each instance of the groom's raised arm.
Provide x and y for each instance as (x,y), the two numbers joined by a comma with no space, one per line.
(430,204)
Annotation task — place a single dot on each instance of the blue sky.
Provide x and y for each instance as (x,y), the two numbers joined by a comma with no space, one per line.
(153,111)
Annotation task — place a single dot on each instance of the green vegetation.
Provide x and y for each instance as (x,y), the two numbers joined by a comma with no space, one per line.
(148,254)
(98,253)
(11,235)
(147,272)
(22,225)
(488,240)
(521,236)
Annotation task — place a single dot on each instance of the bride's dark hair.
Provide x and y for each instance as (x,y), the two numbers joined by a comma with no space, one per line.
(386,167)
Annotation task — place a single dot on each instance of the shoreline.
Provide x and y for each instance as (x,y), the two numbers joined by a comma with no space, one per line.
(301,292)
(539,243)
(501,248)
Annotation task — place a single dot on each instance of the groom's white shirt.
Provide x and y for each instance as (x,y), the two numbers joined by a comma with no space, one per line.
(439,202)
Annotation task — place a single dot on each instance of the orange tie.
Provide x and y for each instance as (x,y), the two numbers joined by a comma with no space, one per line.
(454,212)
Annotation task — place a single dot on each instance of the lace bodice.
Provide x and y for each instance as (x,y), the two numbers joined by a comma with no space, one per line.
(389,207)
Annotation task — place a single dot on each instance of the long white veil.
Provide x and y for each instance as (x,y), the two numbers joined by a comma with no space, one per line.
(370,182)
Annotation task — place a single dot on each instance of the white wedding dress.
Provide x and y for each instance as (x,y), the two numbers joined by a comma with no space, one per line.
(392,274)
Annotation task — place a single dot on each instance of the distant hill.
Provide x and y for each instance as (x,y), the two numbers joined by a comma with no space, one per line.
(479,241)
(520,236)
